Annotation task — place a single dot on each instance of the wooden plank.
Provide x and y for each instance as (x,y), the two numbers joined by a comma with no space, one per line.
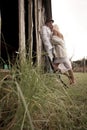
(30,29)
(21,31)
(38,8)
(39,45)
(36,12)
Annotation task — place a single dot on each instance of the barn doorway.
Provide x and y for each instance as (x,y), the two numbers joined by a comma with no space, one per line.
(9,28)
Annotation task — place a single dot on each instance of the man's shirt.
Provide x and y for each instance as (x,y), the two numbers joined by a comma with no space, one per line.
(46,37)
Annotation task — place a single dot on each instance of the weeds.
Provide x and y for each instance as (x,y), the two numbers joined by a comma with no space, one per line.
(43,102)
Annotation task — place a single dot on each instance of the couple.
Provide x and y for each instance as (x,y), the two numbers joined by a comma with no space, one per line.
(54,45)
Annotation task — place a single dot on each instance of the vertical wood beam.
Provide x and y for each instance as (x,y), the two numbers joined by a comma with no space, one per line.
(48,9)
(39,45)
(30,29)
(35,12)
(84,65)
(22,54)
(37,6)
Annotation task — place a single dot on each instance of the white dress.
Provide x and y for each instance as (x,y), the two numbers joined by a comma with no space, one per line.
(59,46)
(60,53)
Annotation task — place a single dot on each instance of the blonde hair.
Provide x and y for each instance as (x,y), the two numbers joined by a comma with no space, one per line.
(56,31)
(55,27)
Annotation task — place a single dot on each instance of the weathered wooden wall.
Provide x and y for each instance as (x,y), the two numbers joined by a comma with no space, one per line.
(35,20)
(30,16)
(38,10)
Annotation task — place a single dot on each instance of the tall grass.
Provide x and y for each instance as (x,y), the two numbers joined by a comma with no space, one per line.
(45,104)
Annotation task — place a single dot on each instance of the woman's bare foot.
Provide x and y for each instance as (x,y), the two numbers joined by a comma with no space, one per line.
(72,81)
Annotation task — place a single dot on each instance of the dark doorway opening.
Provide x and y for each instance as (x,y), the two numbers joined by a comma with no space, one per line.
(9,28)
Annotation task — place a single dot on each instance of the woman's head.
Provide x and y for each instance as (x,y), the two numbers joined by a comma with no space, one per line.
(55,27)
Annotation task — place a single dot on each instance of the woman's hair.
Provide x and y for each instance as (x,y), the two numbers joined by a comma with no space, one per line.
(55,27)
(56,31)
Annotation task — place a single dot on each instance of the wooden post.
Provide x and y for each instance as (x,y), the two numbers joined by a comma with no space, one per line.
(21,31)
(30,29)
(35,12)
(84,65)
(48,9)
(39,45)
(37,6)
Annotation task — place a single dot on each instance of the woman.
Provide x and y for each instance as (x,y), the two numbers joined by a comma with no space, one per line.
(61,57)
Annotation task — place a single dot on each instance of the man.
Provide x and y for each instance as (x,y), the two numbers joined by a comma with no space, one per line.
(46,33)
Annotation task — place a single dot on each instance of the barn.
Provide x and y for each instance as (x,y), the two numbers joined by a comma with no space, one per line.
(20,25)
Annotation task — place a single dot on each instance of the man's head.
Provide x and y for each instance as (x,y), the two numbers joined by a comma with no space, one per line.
(49,23)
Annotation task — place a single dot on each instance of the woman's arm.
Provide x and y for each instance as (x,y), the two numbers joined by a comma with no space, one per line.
(57,41)
(60,35)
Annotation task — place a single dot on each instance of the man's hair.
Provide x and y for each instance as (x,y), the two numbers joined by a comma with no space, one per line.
(49,20)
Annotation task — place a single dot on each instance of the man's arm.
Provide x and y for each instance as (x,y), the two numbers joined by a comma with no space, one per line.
(45,38)
(57,41)
(59,34)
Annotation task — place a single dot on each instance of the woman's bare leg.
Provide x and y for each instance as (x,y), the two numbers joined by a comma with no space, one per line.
(72,80)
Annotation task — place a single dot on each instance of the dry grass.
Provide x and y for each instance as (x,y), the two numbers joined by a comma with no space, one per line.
(45,104)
